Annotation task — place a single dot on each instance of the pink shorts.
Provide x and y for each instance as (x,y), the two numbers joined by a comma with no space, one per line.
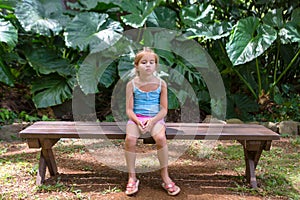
(145,118)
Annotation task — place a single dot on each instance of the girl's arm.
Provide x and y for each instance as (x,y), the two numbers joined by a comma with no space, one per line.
(129,103)
(163,103)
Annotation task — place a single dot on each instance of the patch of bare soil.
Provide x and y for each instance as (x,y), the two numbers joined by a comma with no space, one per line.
(81,176)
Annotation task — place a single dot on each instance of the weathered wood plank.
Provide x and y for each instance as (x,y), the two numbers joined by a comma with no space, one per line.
(113,130)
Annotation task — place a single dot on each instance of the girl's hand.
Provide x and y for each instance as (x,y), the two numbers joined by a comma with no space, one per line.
(148,125)
(142,127)
(145,126)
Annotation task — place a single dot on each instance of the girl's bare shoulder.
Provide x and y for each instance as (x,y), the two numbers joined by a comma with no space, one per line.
(163,83)
(129,84)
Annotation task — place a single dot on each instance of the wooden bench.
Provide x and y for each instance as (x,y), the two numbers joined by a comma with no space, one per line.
(44,135)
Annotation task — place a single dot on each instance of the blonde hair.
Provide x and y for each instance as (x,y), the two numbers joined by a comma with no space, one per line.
(140,54)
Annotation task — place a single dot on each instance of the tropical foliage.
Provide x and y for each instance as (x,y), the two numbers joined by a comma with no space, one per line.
(53,45)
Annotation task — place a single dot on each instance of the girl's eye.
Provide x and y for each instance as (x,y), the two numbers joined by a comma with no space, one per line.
(145,62)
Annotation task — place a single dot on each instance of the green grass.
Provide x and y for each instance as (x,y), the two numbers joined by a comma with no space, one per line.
(278,170)
(70,147)
(12,169)
(232,152)
(58,187)
(111,190)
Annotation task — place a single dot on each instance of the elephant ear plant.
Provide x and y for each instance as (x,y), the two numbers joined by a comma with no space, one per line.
(45,44)
(9,39)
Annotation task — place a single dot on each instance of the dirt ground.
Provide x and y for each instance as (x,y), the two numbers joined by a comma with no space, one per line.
(83,177)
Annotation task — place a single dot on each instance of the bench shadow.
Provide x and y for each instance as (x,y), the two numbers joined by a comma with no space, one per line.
(100,178)
(100,182)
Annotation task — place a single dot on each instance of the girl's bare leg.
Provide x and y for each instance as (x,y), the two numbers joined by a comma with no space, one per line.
(132,134)
(158,134)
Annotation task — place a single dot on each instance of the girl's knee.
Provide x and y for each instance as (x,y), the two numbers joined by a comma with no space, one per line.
(130,140)
(160,140)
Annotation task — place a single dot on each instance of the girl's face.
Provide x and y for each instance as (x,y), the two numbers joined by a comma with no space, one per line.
(147,65)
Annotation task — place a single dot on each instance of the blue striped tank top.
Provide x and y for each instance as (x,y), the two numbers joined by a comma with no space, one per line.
(146,103)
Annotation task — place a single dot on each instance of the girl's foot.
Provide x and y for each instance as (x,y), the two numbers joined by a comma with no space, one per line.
(132,187)
(171,188)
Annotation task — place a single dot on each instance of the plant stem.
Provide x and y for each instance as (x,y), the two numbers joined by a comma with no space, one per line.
(276,61)
(276,65)
(285,70)
(222,47)
(246,83)
(258,77)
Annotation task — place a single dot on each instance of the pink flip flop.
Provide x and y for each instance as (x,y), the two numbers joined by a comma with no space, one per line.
(171,188)
(132,187)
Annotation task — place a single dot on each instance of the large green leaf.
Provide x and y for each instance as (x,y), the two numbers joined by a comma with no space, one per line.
(192,53)
(91,71)
(42,17)
(162,17)
(180,87)
(288,32)
(125,67)
(8,33)
(166,57)
(109,75)
(51,90)
(210,31)
(189,55)
(159,38)
(5,75)
(193,14)
(248,40)
(173,102)
(100,67)
(139,11)
(46,61)
(86,4)
(93,4)
(274,18)
(92,30)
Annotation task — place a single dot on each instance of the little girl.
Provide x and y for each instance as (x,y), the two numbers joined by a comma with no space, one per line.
(146,107)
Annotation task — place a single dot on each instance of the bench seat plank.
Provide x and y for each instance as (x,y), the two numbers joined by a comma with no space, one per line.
(174,131)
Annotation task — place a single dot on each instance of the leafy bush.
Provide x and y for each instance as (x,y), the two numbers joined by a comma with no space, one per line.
(9,117)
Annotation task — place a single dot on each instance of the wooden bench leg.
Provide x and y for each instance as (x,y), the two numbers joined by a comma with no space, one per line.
(47,159)
(41,171)
(252,153)
(250,168)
